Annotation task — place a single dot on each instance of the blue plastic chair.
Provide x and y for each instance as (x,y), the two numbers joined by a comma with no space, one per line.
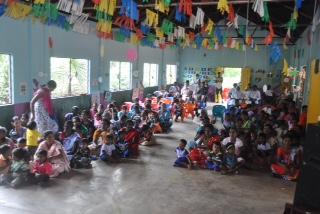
(218,111)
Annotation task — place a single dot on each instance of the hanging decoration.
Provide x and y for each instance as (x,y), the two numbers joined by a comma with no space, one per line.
(268,40)
(60,22)
(50,42)
(77,7)
(125,22)
(129,8)
(185,7)
(231,15)
(80,23)
(199,17)
(298,4)
(132,55)
(192,22)
(275,53)
(223,6)
(2,9)
(266,16)
(258,7)
(209,27)
(180,17)
(292,24)
(17,10)
(162,6)
(285,69)
(145,29)
(63,5)
(159,33)
(152,18)
(134,40)
(167,27)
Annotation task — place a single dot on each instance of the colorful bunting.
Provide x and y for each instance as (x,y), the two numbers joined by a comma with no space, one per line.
(285,70)
(199,17)
(180,17)
(209,26)
(266,16)
(258,7)
(268,40)
(129,8)
(192,22)
(18,10)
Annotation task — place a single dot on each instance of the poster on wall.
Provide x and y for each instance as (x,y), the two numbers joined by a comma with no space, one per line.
(23,89)
(204,72)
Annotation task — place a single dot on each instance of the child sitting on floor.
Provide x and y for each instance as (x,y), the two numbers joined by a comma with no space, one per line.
(215,157)
(33,137)
(19,171)
(108,151)
(22,144)
(42,168)
(4,140)
(182,155)
(178,109)
(165,118)
(288,161)
(79,127)
(229,162)
(263,151)
(122,145)
(147,136)
(82,159)
(18,130)
(132,138)
(5,160)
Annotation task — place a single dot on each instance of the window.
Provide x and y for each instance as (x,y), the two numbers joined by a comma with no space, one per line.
(231,76)
(5,79)
(120,76)
(150,75)
(71,76)
(171,74)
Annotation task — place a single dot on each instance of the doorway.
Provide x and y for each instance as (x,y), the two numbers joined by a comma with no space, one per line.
(231,76)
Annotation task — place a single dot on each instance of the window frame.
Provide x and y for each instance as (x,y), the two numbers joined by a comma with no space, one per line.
(149,71)
(11,91)
(88,88)
(170,68)
(119,78)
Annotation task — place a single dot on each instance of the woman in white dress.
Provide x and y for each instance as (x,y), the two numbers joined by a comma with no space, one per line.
(42,108)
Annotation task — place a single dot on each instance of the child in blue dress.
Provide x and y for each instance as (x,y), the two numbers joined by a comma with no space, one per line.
(215,157)
(165,118)
(182,155)
(122,145)
(229,162)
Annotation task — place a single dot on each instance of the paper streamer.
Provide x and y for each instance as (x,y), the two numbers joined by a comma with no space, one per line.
(275,53)
(18,10)
(223,6)
(185,6)
(199,17)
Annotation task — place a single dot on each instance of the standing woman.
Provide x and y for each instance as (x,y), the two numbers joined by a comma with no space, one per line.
(42,108)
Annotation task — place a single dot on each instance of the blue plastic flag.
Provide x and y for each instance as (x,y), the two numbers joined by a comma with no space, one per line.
(219,35)
(275,53)
(145,29)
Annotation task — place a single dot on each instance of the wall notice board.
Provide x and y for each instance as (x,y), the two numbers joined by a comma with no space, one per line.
(205,72)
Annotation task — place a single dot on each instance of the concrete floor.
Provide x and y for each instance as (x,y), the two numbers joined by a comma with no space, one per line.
(151,185)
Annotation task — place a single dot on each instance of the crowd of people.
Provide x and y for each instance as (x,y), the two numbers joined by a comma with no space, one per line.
(253,135)
(260,131)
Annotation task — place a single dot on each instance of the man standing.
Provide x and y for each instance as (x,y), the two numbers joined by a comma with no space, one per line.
(218,85)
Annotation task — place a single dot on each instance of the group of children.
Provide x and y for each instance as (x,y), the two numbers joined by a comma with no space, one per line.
(253,136)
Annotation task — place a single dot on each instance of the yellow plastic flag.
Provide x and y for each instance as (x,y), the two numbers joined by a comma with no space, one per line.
(152,18)
(295,14)
(210,25)
(107,6)
(256,48)
(285,70)
(160,6)
(18,10)
(237,47)
(159,32)
(38,1)
(134,39)
(223,6)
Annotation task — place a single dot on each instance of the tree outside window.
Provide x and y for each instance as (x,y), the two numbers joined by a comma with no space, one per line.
(71,76)
(120,76)
(5,79)
(150,74)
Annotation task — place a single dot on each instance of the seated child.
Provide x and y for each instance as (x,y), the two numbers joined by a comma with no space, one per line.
(82,159)
(93,110)
(19,171)
(288,161)
(4,140)
(79,127)
(198,158)
(98,120)
(165,118)
(122,145)
(124,111)
(229,162)
(132,138)
(75,111)
(215,157)
(182,155)
(33,137)
(22,144)
(134,112)
(87,122)
(263,151)
(5,161)
(108,151)
(18,130)
(42,168)
(147,136)
(178,109)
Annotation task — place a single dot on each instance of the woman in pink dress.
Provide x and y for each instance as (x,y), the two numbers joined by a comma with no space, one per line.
(42,108)
(56,154)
